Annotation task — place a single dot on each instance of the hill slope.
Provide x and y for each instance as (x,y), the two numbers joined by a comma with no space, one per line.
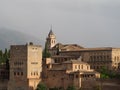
(10,37)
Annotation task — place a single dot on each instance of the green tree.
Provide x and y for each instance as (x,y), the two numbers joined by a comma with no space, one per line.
(46,53)
(1,56)
(4,56)
(1,53)
(41,86)
(71,88)
(104,73)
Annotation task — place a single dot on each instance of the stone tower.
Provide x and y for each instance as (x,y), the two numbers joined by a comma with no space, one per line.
(51,39)
(25,67)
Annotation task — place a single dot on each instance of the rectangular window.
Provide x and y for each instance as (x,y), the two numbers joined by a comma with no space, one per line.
(81,66)
(87,67)
(17,73)
(21,73)
(34,62)
(14,73)
(75,66)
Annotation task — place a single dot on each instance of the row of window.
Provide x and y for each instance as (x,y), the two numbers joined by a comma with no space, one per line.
(116,58)
(103,58)
(21,73)
(18,63)
(99,53)
(34,62)
(3,73)
(53,41)
(70,53)
(78,66)
(99,58)
(81,67)
(71,76)
(98,67)
(18,73)
(21,63)
(34,48)
(34,73)
(59,60)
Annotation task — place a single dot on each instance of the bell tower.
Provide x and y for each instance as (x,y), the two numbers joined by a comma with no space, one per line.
(51,39)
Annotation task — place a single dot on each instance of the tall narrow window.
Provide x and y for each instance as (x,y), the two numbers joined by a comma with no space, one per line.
(75,66)
(14,73)
(81,66)
(87,67)
(21,73)
(17,73)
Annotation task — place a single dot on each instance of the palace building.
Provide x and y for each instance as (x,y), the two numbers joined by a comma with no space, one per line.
(69,73)
(107,57)
(69,65)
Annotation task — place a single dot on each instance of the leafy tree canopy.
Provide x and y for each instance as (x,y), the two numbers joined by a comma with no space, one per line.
(4,56)
(46,53)
(71,88)
(41,86)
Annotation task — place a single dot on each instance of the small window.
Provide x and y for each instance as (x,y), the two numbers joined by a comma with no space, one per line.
(21,73)
(81,66)
(87,67)
(75,66)
(14,73)
(76,76)
(36,73)
(55,60)
(47,66)
(17,73)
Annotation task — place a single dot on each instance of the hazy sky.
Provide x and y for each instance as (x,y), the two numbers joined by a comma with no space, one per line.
(90,23)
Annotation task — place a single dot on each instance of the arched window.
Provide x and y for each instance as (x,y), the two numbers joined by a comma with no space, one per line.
(117,58)
(21,73)
(91,58)
(101,58)
(75,66)
(14,73)
(17,73)
(87,67)
(104,57)
(81,66)
(107,57)
(94,58)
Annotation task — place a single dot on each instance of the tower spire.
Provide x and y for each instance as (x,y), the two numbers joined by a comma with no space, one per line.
(51,32)
(51,27)
(51,39)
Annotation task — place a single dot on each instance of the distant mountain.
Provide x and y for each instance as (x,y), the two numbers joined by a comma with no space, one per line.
(12,37)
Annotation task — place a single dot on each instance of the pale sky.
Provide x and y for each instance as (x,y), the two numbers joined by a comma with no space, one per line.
(89,23)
